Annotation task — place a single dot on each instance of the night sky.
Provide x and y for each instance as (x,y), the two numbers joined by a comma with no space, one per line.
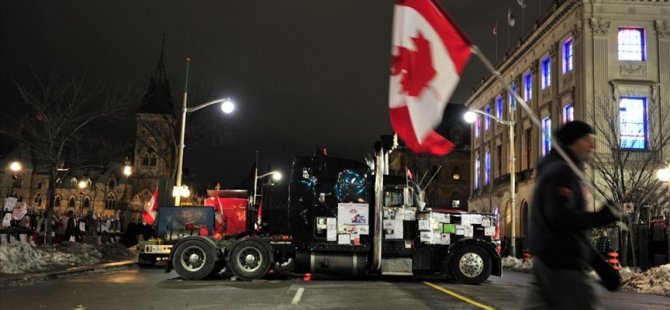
(302,72)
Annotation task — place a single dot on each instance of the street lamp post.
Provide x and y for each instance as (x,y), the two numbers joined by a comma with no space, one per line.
(470,117)
(227,107)
(127,171)
(82,185)
(15,167)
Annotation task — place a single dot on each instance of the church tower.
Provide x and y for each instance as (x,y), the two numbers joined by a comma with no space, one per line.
(155,145)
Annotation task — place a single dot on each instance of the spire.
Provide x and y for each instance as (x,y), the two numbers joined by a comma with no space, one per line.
(157,99)
(160,74)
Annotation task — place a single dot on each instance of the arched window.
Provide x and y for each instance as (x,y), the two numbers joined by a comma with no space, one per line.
(17,181)
(39,185)
(152,160)
(456,174)
(38,200)
(71,202)
(73,182)
(145,160)
(87,202)
(110,203)
(57,201)
(524,219)
(111,184)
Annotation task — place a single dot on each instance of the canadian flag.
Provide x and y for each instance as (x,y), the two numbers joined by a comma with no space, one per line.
(218,215)
(429,55)
(150,209)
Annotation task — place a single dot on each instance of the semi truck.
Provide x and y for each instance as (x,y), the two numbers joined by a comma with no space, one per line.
(343,217)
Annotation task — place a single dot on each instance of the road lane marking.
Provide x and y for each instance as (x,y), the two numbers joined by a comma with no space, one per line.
(459,296)
(298,296)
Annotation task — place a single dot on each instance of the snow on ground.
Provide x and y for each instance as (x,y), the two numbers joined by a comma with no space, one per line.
(516,264)
(653,281)
(21,257)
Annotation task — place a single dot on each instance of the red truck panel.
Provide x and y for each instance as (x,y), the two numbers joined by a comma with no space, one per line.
(233,219)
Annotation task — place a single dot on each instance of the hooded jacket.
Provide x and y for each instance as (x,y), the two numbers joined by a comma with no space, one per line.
(559,222)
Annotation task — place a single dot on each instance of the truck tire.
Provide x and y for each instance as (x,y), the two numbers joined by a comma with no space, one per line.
(249,260)
(194,259)
(470,265)
(146,260)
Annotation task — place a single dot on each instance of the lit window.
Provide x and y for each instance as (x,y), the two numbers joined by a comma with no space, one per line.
(477,172)
(567,55)
(487,167)
(546,72)
(633,123)
(487,121)
(528,86)
(512,99)
(631,44)
(477,125)
(456,174)
(499,107)
(568,113)
(110,202)
(546,135)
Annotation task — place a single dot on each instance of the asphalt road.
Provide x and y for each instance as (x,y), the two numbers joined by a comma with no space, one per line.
(153,289)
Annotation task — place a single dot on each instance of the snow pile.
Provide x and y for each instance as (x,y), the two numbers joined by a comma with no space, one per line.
(516,264)
(653,281)
(21,257)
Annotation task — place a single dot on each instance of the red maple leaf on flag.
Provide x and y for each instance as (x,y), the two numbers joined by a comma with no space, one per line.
(415,66)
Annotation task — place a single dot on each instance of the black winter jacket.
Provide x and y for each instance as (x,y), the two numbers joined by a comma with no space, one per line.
(559,223)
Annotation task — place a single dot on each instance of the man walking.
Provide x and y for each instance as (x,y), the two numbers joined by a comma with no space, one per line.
(559,227)
(604,244)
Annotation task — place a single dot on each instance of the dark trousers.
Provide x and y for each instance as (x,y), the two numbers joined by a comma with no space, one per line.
(559,289)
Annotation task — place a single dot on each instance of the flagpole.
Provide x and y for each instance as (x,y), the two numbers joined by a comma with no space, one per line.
(536,121)
(496,34)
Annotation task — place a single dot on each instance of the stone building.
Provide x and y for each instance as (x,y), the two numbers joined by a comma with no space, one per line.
(583,58)
(104,190)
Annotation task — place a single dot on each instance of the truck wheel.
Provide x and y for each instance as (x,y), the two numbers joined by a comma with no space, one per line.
(146,260)
(471,265)
(194,259)
(249,260)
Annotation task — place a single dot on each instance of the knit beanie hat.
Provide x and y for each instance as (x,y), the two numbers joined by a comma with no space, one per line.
(573,131)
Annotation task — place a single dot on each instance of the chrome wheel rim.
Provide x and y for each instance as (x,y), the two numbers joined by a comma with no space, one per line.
(250,259)
(193,258)
(471,265)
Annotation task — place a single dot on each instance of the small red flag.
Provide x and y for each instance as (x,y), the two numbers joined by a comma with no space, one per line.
(151,209)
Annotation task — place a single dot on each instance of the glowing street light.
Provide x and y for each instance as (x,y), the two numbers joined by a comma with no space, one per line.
(663,174)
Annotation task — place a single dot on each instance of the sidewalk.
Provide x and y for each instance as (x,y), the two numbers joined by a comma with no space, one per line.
(8,279)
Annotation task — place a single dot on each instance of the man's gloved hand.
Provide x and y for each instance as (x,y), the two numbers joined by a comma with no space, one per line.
(609,277)
(610,212)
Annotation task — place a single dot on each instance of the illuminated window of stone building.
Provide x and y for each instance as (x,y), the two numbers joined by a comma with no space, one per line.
(630,44)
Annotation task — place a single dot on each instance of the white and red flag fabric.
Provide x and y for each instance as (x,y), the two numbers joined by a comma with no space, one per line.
(151,209)
(429,55)
(219,221)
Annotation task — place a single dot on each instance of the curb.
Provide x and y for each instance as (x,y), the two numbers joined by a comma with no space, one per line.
(6,279)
